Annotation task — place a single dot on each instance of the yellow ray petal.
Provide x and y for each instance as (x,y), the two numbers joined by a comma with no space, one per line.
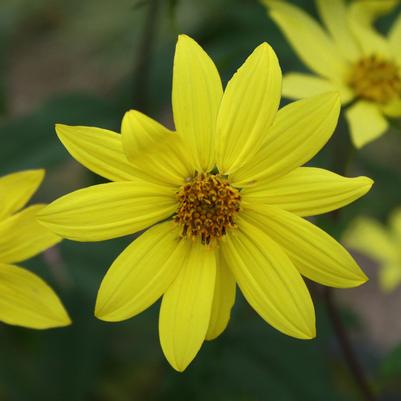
(197,93)
(367,236)
(392,109)
(366,123)
(248,108)
(154,149)
(308,191)
(360,17)
(141,133)
(17,188)
(269,281)
(314,253)
(26,300)
(22,237)
(223,299)
(299,131)
(334,16)
(108,211)
(141,273)
(394,39)
(390,276)
(186,307)
(298,86)
(99,150)
(308,39)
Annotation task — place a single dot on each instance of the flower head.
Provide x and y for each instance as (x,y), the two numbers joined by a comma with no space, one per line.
(26,300)
(224,196)
(347,55)
(382,244)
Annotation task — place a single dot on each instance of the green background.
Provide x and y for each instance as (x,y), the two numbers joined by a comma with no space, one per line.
(86,63)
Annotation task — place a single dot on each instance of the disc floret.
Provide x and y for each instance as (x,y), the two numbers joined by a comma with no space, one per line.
(376,79)
(207,205)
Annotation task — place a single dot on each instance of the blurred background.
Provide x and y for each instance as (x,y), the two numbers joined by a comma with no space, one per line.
(85,62)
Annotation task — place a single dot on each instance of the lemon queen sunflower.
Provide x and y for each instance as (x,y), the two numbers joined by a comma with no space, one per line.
(25,299)
(224,195)
(349,56)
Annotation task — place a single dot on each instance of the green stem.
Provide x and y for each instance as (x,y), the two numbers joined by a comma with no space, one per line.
(144,51)
(343,152)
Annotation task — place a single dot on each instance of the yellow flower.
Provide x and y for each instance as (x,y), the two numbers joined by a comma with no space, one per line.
(224,196)
(26,300)
(381,244)
(348,56)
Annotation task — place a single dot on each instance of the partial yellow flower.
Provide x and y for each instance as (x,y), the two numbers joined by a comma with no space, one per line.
(382,244)
(26,300)
(347,55)
(223,195)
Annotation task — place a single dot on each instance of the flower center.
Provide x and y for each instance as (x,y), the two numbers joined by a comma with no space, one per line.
(376,79)
(207,205)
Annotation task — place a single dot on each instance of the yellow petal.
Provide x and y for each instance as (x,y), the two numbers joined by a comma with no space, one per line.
(186,307)
(360,18)
(298,86)
(394,38)
(26,300)
(299,131)
(248,108)
(197,93)
(22,237)
(141,133)
(269,281)
(334,16)
(392,109)
(368,237)
(308,191)
(155,150)
(314,253)
(109,210)
(99,150)
(223,299)
(390,276)
(366,123)
(17,188)
(315,48)
(141,273)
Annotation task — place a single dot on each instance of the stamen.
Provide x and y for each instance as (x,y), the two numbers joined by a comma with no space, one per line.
(376,79)
(207,206)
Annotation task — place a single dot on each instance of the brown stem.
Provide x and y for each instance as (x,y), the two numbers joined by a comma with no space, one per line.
(342,155)
(346,347)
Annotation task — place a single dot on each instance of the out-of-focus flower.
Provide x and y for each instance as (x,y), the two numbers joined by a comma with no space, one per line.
(26,300)
(382,244)
(224,196)
(350,56)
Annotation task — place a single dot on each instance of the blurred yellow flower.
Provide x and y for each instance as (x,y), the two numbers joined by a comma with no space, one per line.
(381,244)
(26,300)
(224,196)
(347,55)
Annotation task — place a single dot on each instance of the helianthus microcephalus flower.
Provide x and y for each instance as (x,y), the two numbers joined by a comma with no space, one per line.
(382,244)
(349,56)
(26,300)
(224,196)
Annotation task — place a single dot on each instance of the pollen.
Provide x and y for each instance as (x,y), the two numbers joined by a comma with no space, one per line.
(207,205)
(376,79)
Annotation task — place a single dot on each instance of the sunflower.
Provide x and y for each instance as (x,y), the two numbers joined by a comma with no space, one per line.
(349,56)
(380,243)
(26,300)
(223,195)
